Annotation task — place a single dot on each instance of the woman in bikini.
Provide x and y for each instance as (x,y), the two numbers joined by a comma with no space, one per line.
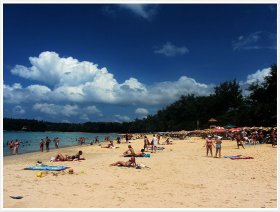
(209,144)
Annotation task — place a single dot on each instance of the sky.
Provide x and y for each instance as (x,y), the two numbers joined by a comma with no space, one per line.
(76,63)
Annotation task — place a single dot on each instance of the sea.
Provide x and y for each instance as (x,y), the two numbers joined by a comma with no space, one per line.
(30,141)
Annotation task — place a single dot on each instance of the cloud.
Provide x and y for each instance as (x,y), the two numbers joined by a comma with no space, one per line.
(93,110)
(255,41)
(121,118)
(83,83)
(146,11)
(52,109)
(258,76)
(18,110)
(170,50)
(142,111)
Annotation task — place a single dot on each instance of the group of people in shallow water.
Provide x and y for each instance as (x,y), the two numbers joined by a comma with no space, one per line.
(14,146)
(47,143)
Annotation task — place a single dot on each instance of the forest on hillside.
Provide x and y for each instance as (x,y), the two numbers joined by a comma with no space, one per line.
(226,104)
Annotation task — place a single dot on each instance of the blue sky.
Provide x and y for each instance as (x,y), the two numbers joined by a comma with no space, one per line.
(118,62)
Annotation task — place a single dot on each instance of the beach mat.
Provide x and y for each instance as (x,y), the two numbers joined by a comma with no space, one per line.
(238,157)
(46,168)
(146,156)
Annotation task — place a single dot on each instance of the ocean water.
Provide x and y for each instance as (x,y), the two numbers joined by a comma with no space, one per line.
(30,141)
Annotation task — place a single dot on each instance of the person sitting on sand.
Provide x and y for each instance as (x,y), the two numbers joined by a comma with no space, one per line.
(168,142)
(130,163)
(129,152)
(209,144)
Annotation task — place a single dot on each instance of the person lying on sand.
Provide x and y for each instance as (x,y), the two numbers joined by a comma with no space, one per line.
(130,163)
(139,154)
(60,157)
(110,145)
(129,152)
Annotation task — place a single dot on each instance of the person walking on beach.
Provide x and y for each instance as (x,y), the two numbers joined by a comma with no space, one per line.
(209,144)
(56,142)
(154,144)
(42,145)
(48,143)
(218,147)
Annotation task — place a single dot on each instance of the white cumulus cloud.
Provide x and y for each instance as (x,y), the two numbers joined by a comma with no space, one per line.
(258,76)
(70,81)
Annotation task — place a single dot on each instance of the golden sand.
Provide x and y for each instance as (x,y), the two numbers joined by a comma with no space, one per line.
(181,176)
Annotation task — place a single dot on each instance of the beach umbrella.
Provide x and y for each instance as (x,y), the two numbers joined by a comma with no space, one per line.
(218,130)
(212,120)
(229,126)
(234,129)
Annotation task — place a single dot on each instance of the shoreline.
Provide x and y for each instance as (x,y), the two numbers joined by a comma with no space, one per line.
(180,176)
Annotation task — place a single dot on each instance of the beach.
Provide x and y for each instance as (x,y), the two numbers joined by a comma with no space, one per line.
(180,176)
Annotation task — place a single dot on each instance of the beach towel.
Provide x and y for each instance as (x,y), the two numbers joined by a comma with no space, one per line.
(238,157)
(159,148)
(46,168)
(145,156)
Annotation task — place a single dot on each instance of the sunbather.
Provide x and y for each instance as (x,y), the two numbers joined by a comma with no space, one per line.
(130,163)
(129,152)
(60,157)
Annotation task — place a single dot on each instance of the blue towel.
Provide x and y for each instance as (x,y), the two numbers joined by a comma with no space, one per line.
(46,168)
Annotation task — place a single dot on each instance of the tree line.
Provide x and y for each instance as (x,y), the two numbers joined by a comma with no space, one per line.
(227,104)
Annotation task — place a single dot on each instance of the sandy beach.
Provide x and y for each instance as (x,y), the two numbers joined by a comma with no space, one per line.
(180,176)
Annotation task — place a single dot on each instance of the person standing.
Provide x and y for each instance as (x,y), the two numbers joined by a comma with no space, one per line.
(42,145)
(146,143)
(218,147)
(154,144)
(16,146)
(48,143)
(126,138)
(56,142)
(209,144)
(11,145)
